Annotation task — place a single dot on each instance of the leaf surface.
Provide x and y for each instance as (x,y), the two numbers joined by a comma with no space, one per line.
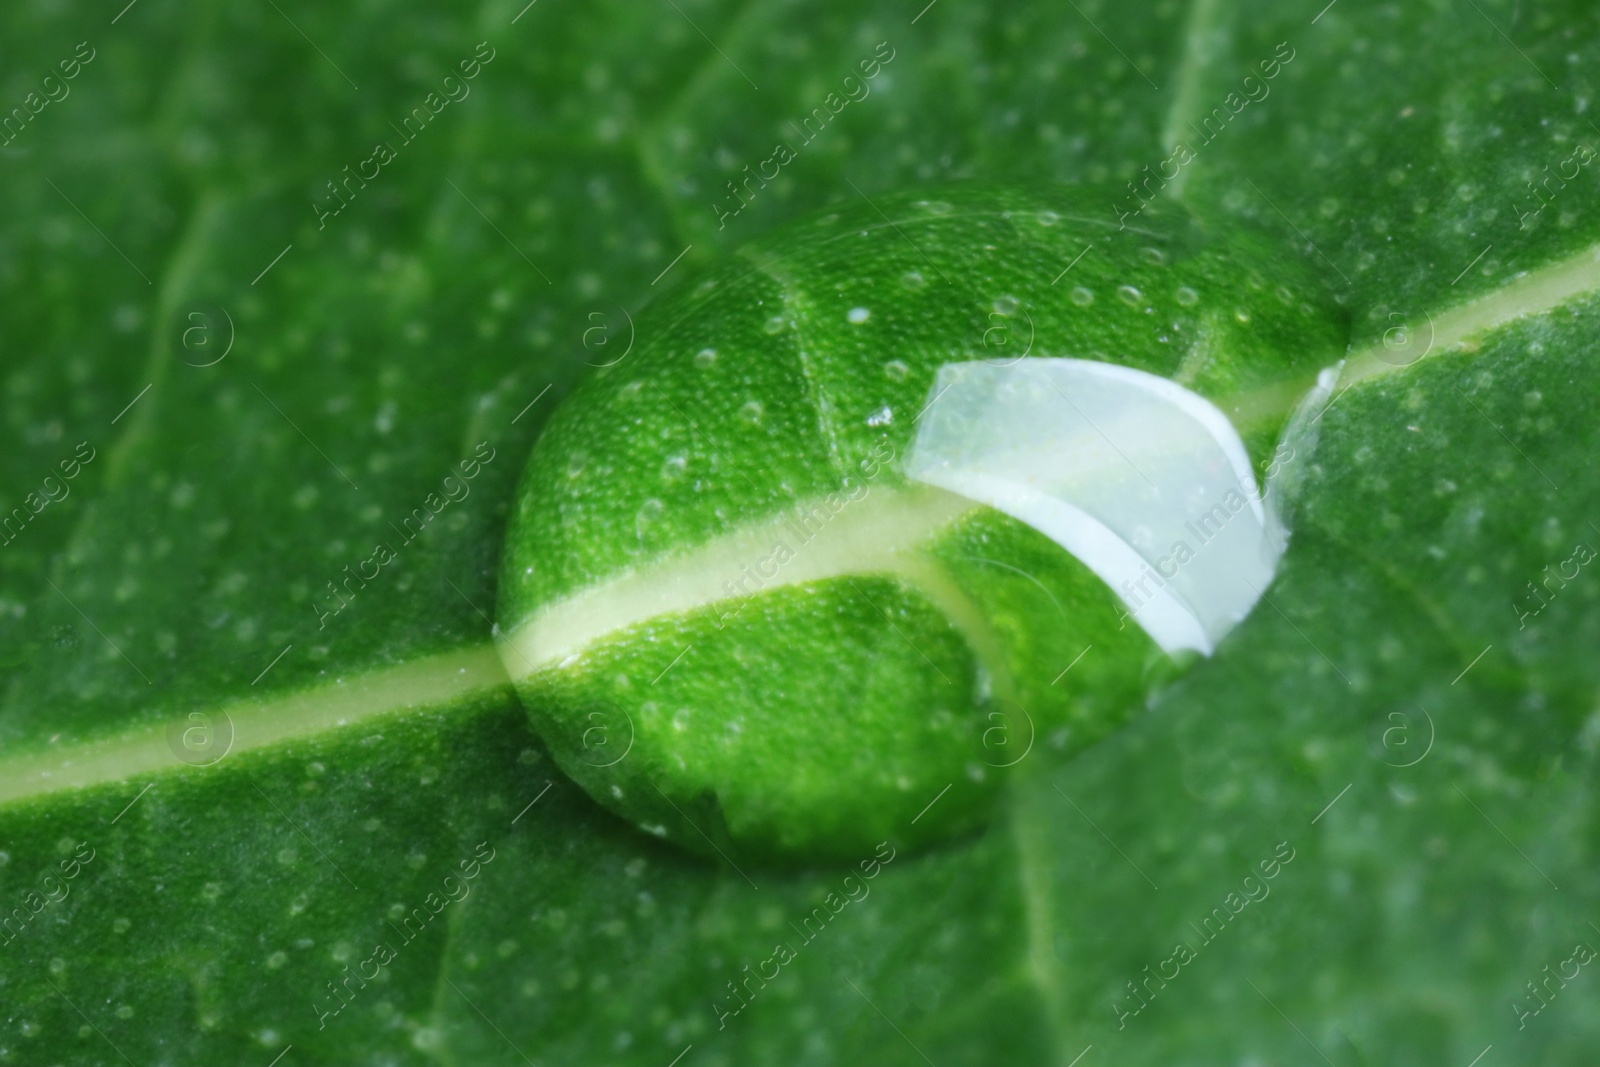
(1442,858)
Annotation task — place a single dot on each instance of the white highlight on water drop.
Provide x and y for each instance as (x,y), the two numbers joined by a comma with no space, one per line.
(1143,481)
(858,315)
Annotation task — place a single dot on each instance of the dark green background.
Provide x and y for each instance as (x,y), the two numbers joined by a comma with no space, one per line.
(408,330)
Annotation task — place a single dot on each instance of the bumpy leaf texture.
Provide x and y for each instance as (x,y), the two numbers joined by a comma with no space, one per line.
(253,810)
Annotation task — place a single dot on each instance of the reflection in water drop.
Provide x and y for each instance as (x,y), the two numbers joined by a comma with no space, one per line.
(647,515)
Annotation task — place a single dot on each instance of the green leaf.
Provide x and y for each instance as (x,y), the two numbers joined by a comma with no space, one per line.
(1402,712)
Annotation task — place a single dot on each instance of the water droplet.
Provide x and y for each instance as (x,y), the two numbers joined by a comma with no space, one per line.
(751,411)
(1154,256)
(934,207)
(707,356)
(775,324)
(858,315)
(680,719)
(895,370)
(1241,314)
(882,417)
(1006,305)
(1047,218)
(913,279)
(645,517)
(1187,296)
(1129,294)
(673,468)
(576,463)
(1082,297)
